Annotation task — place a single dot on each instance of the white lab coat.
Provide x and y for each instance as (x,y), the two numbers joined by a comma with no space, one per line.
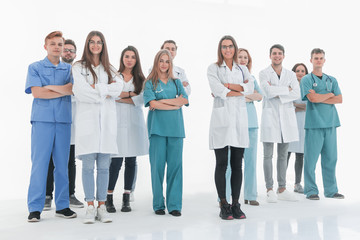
(229,120)
(132,137)
(278,120)
(73,114)
(95,120)
(179,73)
(298,146)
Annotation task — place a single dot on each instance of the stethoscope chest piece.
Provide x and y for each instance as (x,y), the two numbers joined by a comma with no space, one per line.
(314,84)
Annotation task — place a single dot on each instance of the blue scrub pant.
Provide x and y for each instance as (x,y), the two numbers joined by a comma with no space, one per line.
(49,138)
(166,150)
(320,141)
(250,157)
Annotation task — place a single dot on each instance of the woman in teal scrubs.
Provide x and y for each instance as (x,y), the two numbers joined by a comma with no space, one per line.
(165,96)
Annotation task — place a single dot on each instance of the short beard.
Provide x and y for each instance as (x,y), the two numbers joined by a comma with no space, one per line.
(67,60)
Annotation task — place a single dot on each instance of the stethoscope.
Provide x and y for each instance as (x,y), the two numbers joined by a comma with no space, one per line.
(326,82)
(160,90)
(242,72)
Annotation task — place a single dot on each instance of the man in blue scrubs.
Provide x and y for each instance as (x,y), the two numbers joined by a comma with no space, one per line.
(50,83)
(322,92)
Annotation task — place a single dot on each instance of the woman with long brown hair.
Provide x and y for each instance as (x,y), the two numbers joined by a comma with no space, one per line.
(165,96)
(96,85)
(132,136)
(229,82)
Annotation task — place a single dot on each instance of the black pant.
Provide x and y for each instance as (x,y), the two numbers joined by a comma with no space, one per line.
(299,162)
(115,166)
(236,155)
(71,172)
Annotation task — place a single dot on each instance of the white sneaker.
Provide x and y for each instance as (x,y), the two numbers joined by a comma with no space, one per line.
(90,215)
(271,197)
(102,214)
(132,197)
(287,196)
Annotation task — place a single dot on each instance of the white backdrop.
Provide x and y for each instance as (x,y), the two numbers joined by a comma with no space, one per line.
(196,26)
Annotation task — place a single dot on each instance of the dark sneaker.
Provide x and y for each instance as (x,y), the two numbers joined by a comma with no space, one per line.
(313,197)
(160,212)
(236,212)
(338,196)
(34,216)
(225,212)
(66,213)
(110,208)
(47,205)
(126,203)
(175,213)
(74,202)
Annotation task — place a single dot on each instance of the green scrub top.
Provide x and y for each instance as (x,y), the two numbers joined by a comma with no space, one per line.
(166,123)
(320,115)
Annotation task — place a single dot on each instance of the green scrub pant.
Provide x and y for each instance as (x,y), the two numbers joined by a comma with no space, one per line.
(320,141)
(166,150)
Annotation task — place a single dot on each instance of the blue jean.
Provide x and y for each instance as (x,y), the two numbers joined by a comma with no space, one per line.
(102,177)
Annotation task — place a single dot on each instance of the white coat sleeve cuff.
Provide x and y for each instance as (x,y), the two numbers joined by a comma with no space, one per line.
(224,93)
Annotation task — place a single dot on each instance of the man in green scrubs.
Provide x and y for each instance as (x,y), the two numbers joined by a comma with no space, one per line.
(322,92)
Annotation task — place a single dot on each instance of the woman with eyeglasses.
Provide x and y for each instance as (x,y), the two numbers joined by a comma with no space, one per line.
(298,147)
(229,82)
(165,95)
(132,138)
(96,86)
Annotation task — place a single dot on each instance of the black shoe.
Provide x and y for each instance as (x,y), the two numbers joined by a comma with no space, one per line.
(110,208)
(338,196)
(236,211)
(34,216)
(313,197)
(225,212)
(66,213)
(160,212)
(126,203)
(175,213)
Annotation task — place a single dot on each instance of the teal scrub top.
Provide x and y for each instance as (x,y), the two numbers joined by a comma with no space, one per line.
(166,123)
(320,115)
(43,73)
(251,110)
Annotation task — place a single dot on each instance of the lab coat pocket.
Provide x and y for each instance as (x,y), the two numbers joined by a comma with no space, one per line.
(219,118)
(268,118)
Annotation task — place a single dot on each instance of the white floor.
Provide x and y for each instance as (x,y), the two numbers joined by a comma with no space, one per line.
(327,219)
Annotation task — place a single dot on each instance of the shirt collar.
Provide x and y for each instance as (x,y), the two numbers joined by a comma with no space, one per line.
(49,64)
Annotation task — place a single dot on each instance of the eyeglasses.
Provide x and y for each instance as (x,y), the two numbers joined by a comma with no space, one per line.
(224,47)
(91,42)
(69,50)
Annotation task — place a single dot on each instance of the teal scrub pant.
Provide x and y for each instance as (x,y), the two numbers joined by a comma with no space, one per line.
(250,156)
(166,150)
(320,141)
(49,138)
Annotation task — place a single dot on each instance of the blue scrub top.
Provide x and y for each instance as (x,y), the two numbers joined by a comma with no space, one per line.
(166,123)
(43,73)
(320,115)
(251,110)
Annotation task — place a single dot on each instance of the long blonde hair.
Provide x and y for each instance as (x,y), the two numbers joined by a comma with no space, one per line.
(155,72)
